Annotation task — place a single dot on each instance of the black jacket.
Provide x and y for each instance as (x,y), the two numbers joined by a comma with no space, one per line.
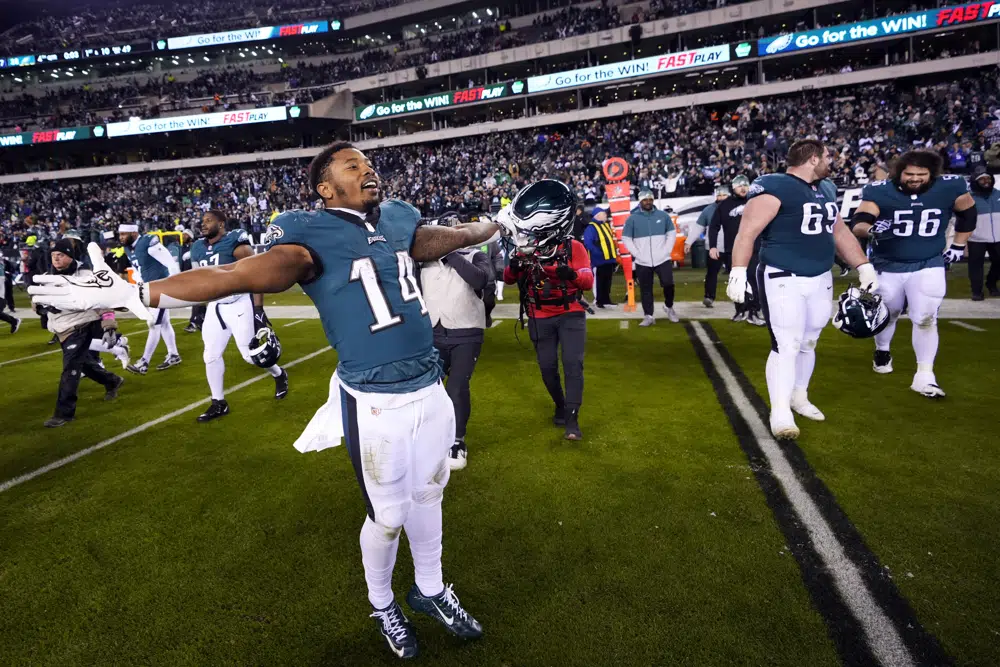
(727,217)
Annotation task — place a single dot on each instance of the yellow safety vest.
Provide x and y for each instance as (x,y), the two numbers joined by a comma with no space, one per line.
(606,237)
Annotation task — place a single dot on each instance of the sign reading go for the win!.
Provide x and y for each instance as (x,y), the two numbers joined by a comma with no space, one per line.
(438,101)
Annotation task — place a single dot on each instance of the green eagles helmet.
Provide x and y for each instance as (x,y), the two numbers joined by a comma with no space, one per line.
(543,216)
(860,314)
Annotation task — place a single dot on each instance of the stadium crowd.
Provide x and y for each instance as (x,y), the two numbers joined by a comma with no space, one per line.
(677,153)
(221,89)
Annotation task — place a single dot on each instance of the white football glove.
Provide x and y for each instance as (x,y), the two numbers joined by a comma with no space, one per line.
(105,290)
(954,254)
(868,277)
(505,220)
(736,290)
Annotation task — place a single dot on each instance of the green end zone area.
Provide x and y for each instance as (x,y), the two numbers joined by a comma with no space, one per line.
(647,543)
(919,478)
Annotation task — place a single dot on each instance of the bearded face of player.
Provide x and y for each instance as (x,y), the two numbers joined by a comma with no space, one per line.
(914,180)
(741,190)
(823,163)
(128,238)
(210,226)
(350,181)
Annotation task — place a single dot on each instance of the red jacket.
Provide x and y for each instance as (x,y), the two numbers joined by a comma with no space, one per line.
(555,303)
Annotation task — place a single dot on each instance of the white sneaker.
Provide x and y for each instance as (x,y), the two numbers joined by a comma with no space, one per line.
(123,353)
(458,457)
(671,314)
(783,426)
(647,321)
(801,405)
(925,384)
(756,320)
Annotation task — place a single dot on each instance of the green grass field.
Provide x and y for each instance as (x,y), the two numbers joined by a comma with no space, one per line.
(649,542)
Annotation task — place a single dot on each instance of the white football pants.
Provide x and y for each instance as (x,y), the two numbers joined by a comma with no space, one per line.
(223,321)
(796,309)
(923,292)
(160,327)
(400,458)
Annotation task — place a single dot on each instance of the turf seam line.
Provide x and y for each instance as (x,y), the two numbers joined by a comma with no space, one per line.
(923,646)
(292,324)
(862,618)
(27,477)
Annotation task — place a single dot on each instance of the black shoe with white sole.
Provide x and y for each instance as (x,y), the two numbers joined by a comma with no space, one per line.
(217,409)
(139,368)
(56,422)
(458,457)
(170,361)
(882,361)
(396,629)
(112,393)
(446,610)
(281,385)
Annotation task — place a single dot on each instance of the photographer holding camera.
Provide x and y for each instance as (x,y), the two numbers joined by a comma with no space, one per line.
(552,270)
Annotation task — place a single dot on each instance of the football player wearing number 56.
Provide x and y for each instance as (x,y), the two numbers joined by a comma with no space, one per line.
(797,217)
(906,218)
(355,260)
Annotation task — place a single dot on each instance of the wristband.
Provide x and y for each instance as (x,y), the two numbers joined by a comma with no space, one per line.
(107,316)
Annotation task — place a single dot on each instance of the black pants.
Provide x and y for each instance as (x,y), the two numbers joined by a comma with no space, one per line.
(752,302)
(570,332)
(605,274)
(8,285)
(4,317)
(198,315)
(712,275)
(78,361)
(459,356)
(977,262)
(644,274)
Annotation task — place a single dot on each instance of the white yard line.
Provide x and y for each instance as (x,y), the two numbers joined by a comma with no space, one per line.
(964,325)
(496,323)
(623,324)
(34,356)
(884,640)
(27,477)
(292,324)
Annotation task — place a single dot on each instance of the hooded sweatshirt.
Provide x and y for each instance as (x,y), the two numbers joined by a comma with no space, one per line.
(987,213)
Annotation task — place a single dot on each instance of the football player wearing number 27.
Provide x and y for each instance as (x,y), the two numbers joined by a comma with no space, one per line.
(797,217)
(355,260)
(906,219)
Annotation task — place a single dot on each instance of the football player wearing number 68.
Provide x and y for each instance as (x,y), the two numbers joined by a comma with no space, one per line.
(355,260)
(798,219)
(906,218)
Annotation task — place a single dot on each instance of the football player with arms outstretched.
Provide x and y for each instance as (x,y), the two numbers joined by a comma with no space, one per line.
(906,219)
(355,260)
(228,316)
(798,219)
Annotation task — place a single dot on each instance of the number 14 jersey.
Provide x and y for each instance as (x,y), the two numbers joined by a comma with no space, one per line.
(917,224)
(367,294)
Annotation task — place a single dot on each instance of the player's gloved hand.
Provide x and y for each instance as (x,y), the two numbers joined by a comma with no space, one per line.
(505,221)
(110,337)
(880,231)
(954,254)
(736,290)
(105,290)
(260,318)
(564,272)
(868,277)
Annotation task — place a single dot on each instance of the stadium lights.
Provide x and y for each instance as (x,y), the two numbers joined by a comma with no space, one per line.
(242,55)
(489,12)
(280,60)
(270,52)
(18,79)
(254,53)
(54,75)
(206,58)
(475,15)
(191,61)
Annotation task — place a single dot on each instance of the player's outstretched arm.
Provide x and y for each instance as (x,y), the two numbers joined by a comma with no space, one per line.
(273,271)
(431,242)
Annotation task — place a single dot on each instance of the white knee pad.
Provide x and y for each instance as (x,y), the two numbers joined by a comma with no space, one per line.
(391,518)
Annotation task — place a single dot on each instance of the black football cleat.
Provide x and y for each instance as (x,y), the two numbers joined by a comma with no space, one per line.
(573,425)
(15,325)
(112,394)
(53,340)
(171,360)
(139,368)
(281,385)
(559,418)
(216,410)
(446,610)
(396,629)
(56,422)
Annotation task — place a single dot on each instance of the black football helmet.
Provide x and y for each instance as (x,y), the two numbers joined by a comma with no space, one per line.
(542,213)
(265,348)
(860,313)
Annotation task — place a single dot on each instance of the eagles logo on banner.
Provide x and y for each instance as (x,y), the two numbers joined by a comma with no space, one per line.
(618,190)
